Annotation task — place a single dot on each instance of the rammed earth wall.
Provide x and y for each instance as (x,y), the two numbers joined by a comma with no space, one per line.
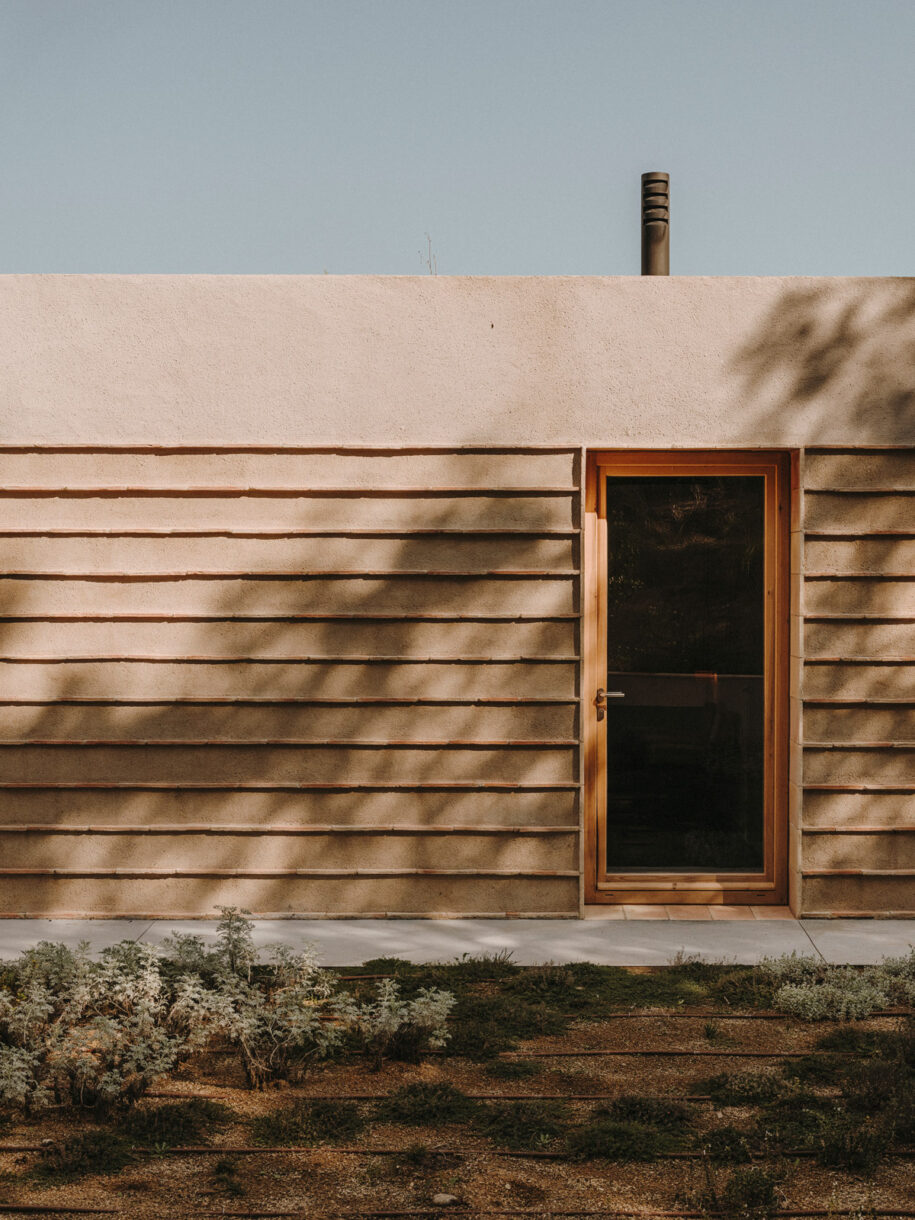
(292,578)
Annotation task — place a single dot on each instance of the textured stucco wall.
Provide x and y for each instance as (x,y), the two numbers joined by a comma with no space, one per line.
(440,361)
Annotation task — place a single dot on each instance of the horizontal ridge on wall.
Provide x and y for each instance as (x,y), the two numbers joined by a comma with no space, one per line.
(330,659)
(339,532)
(857,830)
(206,450)
(295,575)
(285,872)
(350,743)
(858,696)
(320,617)
(319,914)
(304,700)
(279,491)
(318,786)
(230,828)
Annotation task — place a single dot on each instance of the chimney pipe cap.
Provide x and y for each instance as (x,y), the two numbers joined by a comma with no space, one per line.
(655,223)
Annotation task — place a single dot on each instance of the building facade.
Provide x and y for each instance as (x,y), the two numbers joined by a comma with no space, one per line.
(441,596)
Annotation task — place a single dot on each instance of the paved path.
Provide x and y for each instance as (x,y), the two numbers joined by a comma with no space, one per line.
(630,942)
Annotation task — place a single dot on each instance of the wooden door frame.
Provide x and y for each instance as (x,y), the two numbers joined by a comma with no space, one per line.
(769,887)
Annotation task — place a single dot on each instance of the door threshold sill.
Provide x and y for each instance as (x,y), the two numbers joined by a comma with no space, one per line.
(686,911)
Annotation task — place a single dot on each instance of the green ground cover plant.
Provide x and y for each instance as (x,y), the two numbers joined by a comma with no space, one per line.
(175,1123)
(89,1152)
(603,1138)
(424,1104)
(670,1116)
(530,1125)
(749,1193)
(794,1121)
(848,1142)
(631,1128)
(742,1088)
(484,1026)
(726,1143)
(308,1122)
(513,1069)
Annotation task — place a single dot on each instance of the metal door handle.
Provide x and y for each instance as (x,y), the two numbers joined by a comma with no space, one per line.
(600,700)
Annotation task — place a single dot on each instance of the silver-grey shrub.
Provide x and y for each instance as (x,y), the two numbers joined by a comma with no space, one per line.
(83,1032)
(388,1020)
(75,1031)
(813,990)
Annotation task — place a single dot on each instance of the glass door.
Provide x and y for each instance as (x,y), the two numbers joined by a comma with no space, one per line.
(687,642)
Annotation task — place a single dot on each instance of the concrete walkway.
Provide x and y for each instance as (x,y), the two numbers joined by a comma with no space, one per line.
(650,941)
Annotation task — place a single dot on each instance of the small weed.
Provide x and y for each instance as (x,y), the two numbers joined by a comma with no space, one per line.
(527,1194)
(382,965)
(512,1069)
(426,1104)
(419,1156)
(488,967)
(519,1018)
(712,1032)
(460,976)
(630,1129)
(224,1178)
(174,1124)
(92,1152)
(900,1116)
(308,1122)
(523,1124)
(692,966)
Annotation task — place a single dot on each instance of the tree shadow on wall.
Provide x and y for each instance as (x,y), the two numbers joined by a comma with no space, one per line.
(230,686)
(832,365)
(839,357)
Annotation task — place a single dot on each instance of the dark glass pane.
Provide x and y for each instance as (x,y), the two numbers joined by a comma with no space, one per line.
(685,643)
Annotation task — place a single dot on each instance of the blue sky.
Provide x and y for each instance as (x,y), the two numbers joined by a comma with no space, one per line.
(299,136)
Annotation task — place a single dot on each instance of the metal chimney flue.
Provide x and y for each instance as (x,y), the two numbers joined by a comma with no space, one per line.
(655,224)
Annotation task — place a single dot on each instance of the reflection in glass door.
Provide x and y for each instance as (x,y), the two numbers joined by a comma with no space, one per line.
(685,723)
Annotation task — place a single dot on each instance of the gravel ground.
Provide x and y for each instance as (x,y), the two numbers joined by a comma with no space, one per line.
(322,1180)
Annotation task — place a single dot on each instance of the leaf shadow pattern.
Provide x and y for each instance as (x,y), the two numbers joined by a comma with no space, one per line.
(833,361)
(831,367)
(299,677)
